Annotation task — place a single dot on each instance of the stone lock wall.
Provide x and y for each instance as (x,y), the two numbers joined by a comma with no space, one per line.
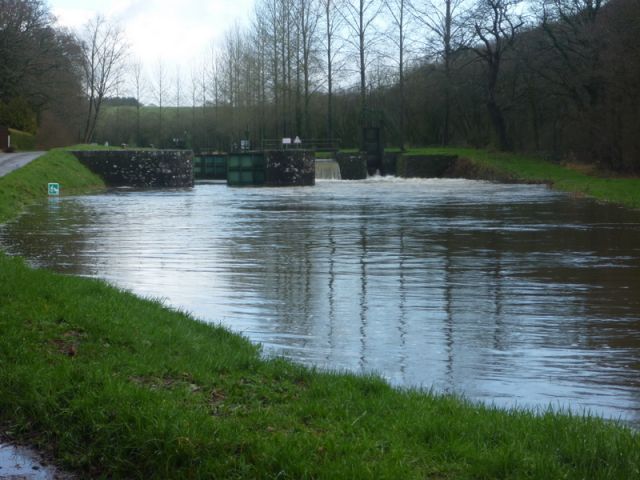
(290,168)
(352,166)
(140,168)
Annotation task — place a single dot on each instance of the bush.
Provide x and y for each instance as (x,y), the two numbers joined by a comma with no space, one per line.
(17,113)
(22,140)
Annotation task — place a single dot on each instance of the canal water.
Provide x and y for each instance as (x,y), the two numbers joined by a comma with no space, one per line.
(514,295)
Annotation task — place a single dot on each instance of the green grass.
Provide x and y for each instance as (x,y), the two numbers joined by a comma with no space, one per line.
(29,184)
(624,191)
(22,141)
(115,386)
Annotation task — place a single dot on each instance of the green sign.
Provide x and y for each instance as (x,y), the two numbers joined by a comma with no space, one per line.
(54,189)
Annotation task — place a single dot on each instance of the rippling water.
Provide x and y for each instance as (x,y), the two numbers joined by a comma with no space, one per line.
(509,294)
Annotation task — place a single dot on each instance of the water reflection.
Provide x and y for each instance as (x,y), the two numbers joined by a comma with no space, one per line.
(510,294)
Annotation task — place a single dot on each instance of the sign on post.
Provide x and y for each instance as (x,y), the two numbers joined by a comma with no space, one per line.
(54,189)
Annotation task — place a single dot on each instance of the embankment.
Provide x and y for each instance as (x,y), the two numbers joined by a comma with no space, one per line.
(511,167)
(29,184)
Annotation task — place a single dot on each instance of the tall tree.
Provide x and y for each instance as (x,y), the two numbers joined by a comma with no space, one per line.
(137,73)
(308,16)
(160,95)
(104,50)
(332,24)
(496,26)
(398,11)
(446,21)
(359,17)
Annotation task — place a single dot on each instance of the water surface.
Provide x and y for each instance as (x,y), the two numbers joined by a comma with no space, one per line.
(508,294)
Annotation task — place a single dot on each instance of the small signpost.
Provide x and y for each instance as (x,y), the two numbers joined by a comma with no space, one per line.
(54,189)
(297,141)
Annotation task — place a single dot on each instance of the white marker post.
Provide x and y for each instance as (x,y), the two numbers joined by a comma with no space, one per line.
(54,189)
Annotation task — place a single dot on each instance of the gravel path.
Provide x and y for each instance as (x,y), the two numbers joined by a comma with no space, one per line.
(12,161)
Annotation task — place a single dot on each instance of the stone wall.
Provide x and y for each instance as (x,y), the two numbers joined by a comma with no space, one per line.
(140,168)
(290,168)
(352,166)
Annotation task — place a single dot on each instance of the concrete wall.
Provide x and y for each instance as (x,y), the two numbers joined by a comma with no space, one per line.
(140,168)
(290,168)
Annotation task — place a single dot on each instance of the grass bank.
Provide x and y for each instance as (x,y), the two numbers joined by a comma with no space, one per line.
(624,191)
(29,184)
(117,386)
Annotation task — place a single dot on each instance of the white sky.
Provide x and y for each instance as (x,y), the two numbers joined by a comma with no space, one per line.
(180,32)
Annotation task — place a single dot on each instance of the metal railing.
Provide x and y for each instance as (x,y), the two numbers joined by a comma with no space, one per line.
(317,144)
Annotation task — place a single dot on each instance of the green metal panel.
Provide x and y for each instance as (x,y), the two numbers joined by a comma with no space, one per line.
(233,177)
(245,169)
(212,167)
(197,166)
(233,162)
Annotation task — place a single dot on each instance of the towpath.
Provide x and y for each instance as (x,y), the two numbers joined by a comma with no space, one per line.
(12,161)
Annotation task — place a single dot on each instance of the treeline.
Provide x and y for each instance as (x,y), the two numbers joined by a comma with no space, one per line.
(40,81)
(555,77)
(53,81)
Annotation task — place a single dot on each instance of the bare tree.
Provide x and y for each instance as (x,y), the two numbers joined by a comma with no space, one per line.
(399,13)
(104,52)
(178,94)
(447,22)
(496,27)
(160,94)
(308,16)
(359,17)
(139,85)
(570,27)
(194,83)
(332,23)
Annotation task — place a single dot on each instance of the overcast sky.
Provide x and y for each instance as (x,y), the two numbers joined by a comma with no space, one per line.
(178,31)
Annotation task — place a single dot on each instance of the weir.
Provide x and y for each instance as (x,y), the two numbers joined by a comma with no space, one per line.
(327,169)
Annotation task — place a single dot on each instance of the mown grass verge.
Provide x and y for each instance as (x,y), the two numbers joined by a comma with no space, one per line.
(116,386)
(624,191)
(29,183)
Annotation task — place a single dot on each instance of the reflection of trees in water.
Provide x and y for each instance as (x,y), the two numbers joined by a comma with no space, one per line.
(52,235)
(363,290)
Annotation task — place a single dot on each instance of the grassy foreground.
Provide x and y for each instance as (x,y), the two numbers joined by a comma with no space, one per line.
(624,191)
(29,184)
(117,386)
